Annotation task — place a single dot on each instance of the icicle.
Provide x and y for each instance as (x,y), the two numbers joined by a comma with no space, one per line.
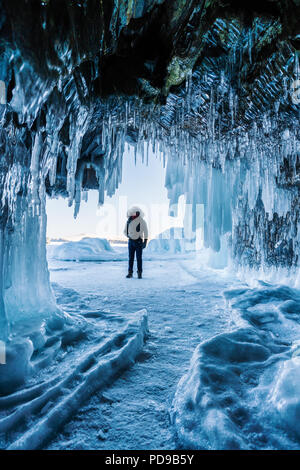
(250,45)
(231,106)
(212,115)
(35,174)
(296,66)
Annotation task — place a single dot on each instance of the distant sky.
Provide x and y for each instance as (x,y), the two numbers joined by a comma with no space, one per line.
(141,185)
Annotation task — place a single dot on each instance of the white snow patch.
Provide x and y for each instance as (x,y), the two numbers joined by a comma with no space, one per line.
(86,249)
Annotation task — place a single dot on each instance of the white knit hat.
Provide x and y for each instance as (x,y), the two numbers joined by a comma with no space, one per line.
(133,210)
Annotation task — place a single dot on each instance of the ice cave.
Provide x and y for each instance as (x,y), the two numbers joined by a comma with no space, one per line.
(204,352)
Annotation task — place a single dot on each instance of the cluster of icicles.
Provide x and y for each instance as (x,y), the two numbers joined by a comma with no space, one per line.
(207,121)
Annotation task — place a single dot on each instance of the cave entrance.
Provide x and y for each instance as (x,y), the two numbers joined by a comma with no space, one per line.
(143,184)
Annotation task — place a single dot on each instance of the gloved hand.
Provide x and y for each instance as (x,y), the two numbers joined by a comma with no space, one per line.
(145,243)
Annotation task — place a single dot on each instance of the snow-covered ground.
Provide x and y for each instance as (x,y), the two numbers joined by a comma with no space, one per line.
(182,309)
(218,368)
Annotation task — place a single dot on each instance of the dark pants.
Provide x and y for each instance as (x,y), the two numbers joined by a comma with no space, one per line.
(135,246)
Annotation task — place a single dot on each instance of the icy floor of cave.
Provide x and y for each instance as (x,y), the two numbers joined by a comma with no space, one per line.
(187,305)
(184,304)
(219,368)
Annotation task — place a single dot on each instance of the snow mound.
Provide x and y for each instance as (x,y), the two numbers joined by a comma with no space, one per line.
(279,306)
(242,387)
(87,249)
(208,408)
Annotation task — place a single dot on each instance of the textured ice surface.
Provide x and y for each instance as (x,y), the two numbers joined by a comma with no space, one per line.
(78,356)
(242,387)
(182,306)
(241,390)
(286,394)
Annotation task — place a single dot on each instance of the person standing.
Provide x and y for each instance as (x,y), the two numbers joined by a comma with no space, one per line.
(136,231)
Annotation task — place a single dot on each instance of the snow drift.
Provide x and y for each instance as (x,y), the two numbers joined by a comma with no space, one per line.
(86,249)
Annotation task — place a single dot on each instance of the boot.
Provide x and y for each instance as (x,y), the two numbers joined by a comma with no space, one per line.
(129,274)
(139,275)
